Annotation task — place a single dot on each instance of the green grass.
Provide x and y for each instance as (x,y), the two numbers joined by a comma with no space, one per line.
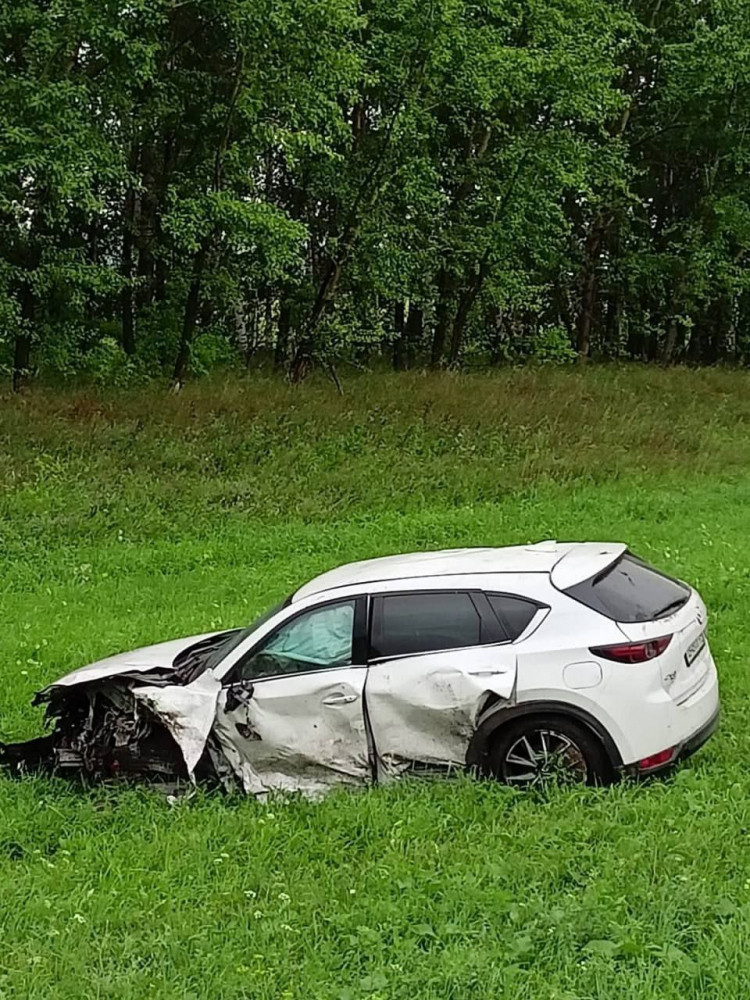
(127,519)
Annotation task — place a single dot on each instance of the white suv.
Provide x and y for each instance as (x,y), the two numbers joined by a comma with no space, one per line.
(563,661)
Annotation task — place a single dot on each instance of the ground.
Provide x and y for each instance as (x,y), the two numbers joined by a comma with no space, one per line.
(129,518)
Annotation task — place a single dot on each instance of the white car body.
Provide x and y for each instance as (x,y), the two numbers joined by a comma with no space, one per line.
(377,716)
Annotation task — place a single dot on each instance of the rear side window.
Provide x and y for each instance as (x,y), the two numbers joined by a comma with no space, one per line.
(631,591)
(514,613)
(404,624)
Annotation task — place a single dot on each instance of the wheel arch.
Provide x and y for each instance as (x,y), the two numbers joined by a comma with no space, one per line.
(500,715)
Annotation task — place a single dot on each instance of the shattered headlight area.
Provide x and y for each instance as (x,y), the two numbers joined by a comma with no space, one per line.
(100,731)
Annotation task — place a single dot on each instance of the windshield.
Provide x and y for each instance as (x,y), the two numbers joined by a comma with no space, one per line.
(233,639)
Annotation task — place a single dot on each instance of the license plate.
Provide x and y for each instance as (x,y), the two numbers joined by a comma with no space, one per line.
(695,648)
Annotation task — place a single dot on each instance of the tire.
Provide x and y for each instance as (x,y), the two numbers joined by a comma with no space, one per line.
(574,755)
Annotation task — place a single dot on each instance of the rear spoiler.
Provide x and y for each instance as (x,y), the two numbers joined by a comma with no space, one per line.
(583,561)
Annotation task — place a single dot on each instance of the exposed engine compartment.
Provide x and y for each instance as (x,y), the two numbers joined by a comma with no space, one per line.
(100,731)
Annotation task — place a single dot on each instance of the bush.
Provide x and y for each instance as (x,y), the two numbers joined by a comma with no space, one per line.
(108,365)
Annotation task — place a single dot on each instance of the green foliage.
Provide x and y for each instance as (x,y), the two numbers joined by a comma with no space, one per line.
(298,174)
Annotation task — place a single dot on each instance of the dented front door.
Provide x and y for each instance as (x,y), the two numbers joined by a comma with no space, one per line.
(292,714)
(304,732)
(423,709)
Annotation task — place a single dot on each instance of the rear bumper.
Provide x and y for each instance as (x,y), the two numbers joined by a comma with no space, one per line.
(696,741)
(683,750)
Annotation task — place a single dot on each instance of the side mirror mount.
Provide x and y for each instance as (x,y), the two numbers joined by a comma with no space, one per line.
(239,693)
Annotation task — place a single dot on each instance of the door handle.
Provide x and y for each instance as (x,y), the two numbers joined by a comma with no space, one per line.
(340,699)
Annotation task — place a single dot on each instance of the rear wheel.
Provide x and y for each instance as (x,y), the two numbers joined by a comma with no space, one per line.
(541,751)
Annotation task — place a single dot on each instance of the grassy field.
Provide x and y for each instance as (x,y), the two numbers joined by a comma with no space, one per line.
(129,519)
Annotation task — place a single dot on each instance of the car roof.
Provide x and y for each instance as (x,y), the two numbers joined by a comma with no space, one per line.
(575,561)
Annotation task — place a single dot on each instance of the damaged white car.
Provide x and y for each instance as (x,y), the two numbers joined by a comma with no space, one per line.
(555,661)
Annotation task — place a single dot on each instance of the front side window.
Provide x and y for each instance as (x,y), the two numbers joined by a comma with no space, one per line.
(405,624)
(234,638)
(315,640)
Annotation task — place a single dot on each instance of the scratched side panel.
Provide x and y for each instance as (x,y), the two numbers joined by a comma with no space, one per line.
(423,709)
(298,733)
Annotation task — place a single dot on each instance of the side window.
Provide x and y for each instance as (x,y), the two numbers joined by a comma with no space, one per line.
(404,624)
(319,639)
(514,613)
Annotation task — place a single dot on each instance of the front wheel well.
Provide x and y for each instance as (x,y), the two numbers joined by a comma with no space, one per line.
(489,729)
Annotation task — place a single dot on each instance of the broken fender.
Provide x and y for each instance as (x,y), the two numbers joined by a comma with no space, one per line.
(188,713)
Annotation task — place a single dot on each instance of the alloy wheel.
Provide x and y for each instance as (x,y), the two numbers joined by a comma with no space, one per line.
(542,757)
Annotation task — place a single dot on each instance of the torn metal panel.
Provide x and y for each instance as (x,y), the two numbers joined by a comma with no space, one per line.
(100,731)
(186,712)
(303,732)
(424,710)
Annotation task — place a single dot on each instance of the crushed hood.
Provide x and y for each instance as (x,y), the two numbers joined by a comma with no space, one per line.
(159,657)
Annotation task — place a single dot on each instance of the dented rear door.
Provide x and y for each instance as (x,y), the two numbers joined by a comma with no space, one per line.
(423,707)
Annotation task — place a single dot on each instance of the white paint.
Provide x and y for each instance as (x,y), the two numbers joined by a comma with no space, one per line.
(448,562)
(136,661)
(423,709)
(586,674)
(583,561)
(685,626)
(187,712)
(300,731)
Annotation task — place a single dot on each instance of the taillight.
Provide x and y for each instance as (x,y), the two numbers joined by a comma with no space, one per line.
(633,652)
(657,759)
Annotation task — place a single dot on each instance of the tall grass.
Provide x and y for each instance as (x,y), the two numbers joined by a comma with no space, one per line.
(126,518)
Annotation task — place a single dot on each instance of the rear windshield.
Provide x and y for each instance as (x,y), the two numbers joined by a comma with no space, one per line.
(631,591)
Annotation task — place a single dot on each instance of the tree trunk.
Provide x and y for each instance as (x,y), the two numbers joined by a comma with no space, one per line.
(146,225)
(21,361)
(161,265)
(302,362)
(192,307)
(465,302)
(22,344)
(160,279)
(458,327)
(442,318)
(588,290)
(92,256)
(414,331)
(145,273)
(495,327)
(126,270)
(281,350)
(400,362)
(267,317)
(636,341)
(670,342)
(612,323)
(240,331)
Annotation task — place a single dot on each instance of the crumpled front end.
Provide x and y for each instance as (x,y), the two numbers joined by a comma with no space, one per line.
(101,730)
(138,713)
